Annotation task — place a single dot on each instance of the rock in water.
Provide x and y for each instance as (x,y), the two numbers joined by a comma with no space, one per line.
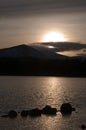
(34,112)
(12,114)
(48,110)
(66,109)
(83,126)
(24,113)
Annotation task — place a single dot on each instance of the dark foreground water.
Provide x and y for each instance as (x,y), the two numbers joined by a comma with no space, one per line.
(20,93)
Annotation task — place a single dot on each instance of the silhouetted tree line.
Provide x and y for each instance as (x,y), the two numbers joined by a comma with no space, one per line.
(42,67)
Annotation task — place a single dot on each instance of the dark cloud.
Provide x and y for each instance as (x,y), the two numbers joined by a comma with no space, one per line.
(84,50)
(23,7)
(66,46)
(82,54)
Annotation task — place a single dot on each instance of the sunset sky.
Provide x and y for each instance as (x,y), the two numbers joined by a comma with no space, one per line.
(28,21)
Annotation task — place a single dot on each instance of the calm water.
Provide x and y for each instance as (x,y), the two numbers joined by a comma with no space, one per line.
(20,93)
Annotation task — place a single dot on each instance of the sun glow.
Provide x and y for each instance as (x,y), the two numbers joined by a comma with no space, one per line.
(54,37)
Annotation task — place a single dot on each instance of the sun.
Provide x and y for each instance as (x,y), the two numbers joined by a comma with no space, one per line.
(53,37)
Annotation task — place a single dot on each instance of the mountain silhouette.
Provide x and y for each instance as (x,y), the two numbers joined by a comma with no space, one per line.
(22,51)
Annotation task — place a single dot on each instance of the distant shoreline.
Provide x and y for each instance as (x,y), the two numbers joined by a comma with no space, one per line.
(42,67)
(66,76)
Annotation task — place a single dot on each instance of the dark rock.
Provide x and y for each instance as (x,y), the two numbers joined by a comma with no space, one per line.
(66,109)
(73,109)
(34,112)
(24,113)
(83,126)
(4,116)
(48,110)
(12,114)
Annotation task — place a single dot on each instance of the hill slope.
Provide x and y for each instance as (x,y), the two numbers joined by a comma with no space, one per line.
(29,51)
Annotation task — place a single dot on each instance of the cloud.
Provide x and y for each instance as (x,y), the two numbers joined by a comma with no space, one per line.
(84,50)
(82,54)
(66,46)
(23,7)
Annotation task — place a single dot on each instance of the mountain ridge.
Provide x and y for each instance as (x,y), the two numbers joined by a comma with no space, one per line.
(28,51)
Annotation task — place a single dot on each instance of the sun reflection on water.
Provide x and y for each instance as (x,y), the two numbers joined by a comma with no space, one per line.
(54,91)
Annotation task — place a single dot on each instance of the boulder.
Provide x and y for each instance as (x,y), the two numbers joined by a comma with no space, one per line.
(12,114)
(48,110)
(24,113)
(34,112)
(83,126)
(66,109)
